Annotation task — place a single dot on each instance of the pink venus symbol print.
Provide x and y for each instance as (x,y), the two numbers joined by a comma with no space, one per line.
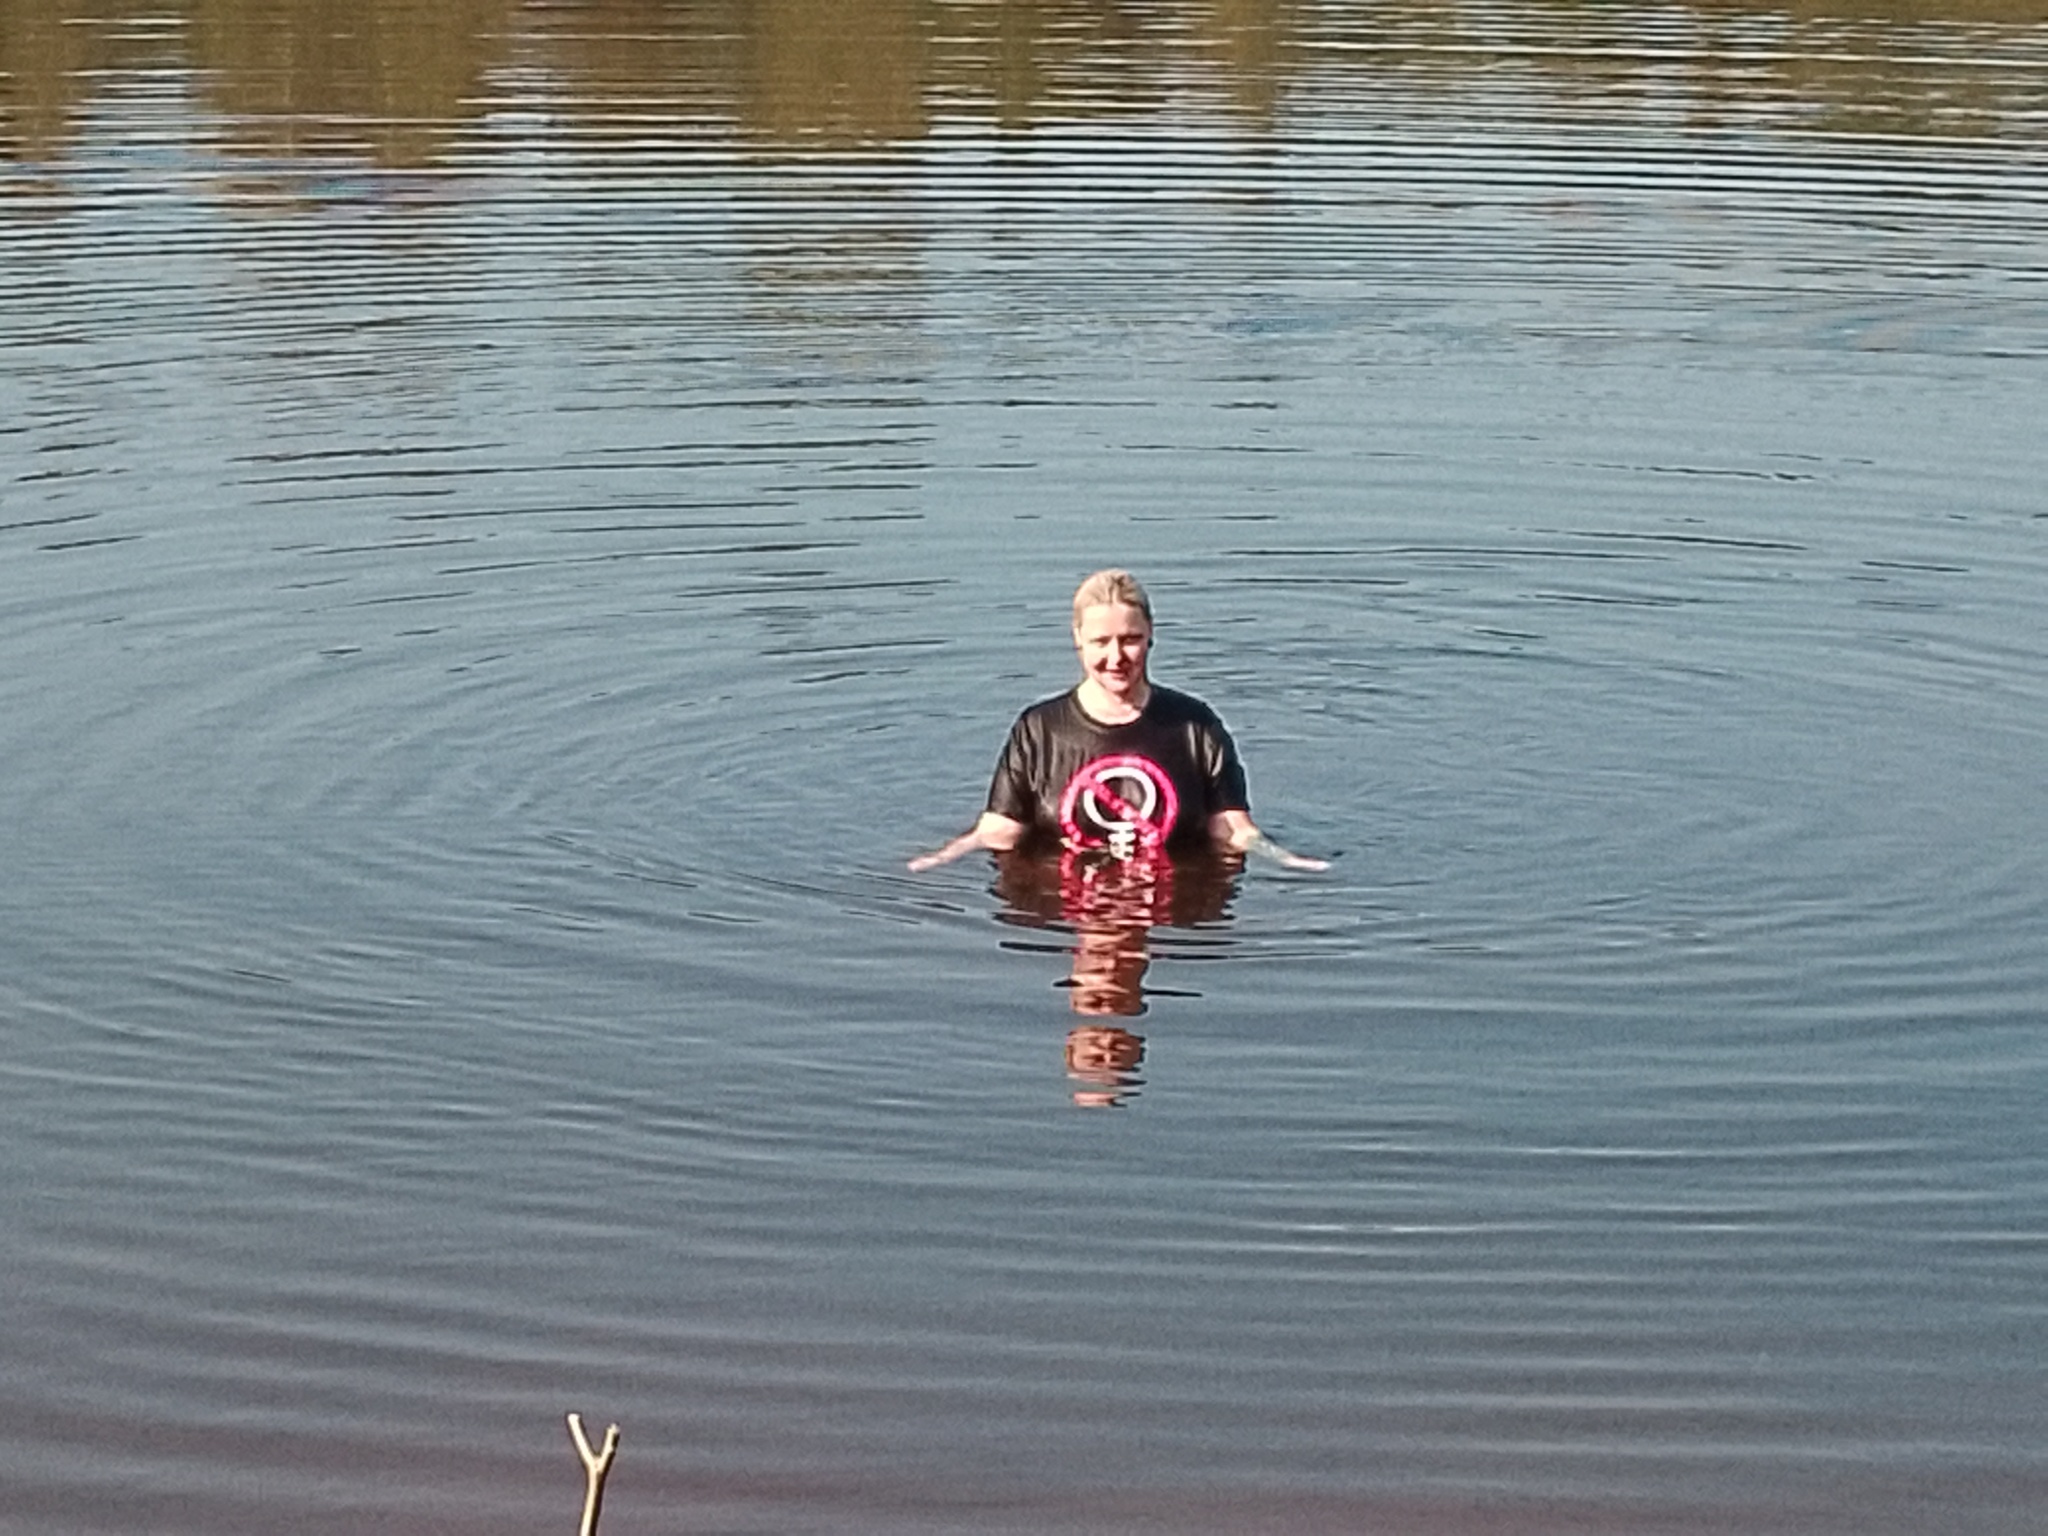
(1124,803)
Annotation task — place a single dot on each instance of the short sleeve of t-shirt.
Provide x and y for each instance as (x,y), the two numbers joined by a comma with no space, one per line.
(1010,793)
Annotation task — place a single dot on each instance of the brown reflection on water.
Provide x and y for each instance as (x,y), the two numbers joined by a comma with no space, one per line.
(1110,907)
(795,73)
(44,63)
(1256,44)
(635,64)
(393,79)
(396,81)
(1921,67)
(838,70)
(388,80)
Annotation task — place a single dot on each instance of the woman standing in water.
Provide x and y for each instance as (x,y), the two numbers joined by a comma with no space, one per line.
(1117,763)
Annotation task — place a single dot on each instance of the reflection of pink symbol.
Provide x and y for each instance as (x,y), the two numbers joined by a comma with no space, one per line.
(1136,892)
(1123,803)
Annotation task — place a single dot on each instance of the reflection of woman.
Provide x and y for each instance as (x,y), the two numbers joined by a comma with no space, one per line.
(1117,763)
(1112,905)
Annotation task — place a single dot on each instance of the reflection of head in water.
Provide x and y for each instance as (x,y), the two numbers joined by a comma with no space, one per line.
(1103,1061)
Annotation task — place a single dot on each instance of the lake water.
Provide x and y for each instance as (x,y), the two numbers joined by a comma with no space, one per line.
(515,520)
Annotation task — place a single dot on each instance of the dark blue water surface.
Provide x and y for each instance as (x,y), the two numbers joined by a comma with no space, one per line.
(514,523)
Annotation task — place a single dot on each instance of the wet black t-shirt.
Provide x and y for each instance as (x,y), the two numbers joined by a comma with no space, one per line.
(1128,788)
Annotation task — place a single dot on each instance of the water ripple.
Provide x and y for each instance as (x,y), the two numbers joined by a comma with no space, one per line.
(496,584)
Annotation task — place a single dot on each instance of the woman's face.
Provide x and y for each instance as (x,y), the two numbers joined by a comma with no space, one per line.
(1113,640)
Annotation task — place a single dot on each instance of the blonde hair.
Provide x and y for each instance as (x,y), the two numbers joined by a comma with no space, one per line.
(1111,587)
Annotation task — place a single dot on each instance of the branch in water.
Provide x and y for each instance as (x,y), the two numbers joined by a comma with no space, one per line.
(595,1465)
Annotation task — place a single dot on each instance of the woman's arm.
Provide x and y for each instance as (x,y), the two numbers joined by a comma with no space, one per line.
(994,832)
(1236,832)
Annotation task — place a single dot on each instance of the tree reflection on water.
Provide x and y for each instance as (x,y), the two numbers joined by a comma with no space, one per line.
(398,82)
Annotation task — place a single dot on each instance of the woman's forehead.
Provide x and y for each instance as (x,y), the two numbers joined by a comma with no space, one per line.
(1100,620)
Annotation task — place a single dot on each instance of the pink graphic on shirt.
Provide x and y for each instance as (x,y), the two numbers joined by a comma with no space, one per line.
(1124,803)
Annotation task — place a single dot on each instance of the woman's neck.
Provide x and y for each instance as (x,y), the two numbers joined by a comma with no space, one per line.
(1106,708)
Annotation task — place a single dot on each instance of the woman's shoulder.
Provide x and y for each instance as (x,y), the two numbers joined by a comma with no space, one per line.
(1047,714)
(1169,706)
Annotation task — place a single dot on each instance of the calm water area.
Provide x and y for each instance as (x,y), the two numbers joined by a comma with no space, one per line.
(518,516)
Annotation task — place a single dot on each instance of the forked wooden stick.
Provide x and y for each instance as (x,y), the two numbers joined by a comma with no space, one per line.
(595,1465)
